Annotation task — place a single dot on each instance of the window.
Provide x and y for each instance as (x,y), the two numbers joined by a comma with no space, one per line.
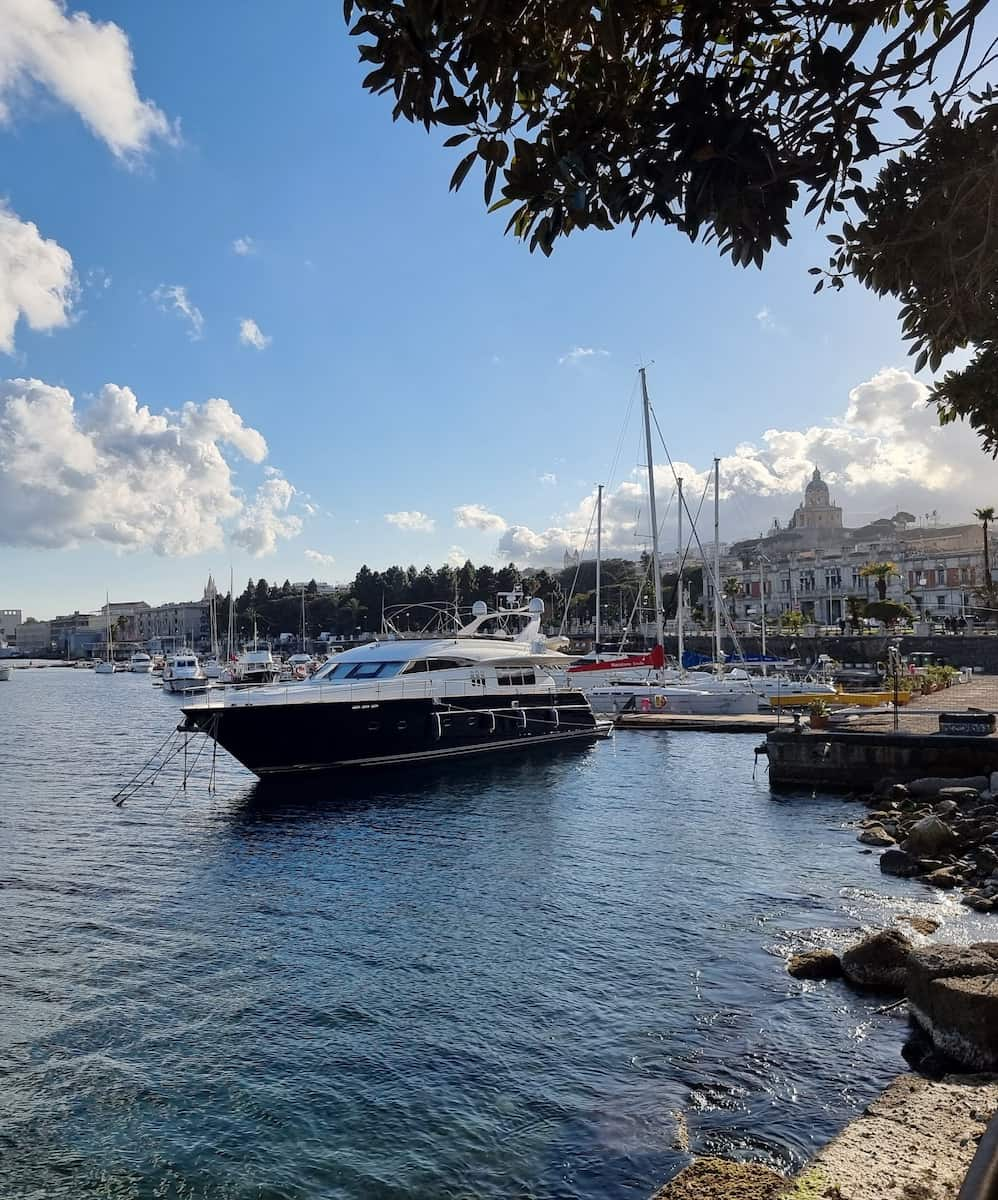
(515,678)
(357,672)
(940,602)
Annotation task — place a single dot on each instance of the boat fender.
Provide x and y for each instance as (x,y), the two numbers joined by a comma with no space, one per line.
(645,705)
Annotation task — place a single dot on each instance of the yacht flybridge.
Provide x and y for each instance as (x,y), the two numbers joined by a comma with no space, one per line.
(401,701)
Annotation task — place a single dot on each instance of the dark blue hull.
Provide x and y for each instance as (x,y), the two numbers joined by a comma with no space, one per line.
(312,737)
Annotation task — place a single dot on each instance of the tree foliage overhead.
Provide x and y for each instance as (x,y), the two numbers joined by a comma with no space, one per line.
(929,236)
(717,118)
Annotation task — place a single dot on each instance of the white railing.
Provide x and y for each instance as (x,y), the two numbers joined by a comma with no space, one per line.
(364,693)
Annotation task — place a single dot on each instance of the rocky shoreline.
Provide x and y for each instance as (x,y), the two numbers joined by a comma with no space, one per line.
(917,1139)
(941,831)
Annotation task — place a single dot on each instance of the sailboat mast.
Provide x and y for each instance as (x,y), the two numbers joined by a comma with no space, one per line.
(653,513)
(717,563)
(231,631)
(599,560)
(680,641)
(302,618)
(762,601)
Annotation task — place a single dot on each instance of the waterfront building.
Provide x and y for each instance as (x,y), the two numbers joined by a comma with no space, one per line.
(33,637)
(814,563)
(10,618)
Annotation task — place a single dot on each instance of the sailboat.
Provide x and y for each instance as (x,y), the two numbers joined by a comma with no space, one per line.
(212,666)
(107,667)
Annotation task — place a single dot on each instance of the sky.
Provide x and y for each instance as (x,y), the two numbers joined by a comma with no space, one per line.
(244,325)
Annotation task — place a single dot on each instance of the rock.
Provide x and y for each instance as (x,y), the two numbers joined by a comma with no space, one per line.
(876,835)
(943,878)
(929,836)
(982,904)
(953,994)
(993,782)
(927,865)
(896,862)
(898,792)
(932,786)
(875,817)
(718,1179)
(878,962)
(945,808)
(815,964)
(924,925)
(959,795)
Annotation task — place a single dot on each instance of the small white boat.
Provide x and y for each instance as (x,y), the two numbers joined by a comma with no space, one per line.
(105,668)
(667,698)
(108,666)
(6,672)
(256,665)
(140,663)
(183,673)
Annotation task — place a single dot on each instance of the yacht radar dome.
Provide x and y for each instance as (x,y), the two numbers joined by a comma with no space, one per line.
(479,608)
(536,605)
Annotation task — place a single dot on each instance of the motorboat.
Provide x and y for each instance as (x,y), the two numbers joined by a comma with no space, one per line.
(687,700)
(299,666)
(255,665)
(485,689)
(182,672)
(140,663)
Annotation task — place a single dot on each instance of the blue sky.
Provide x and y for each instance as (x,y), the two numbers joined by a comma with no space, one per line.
(415,360)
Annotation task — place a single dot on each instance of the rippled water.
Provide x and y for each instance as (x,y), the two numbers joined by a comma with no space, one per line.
(501,979)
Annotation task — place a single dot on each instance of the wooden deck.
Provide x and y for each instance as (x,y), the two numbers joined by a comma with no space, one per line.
(748,723)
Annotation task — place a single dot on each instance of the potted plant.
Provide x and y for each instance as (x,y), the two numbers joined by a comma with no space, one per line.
(817,714)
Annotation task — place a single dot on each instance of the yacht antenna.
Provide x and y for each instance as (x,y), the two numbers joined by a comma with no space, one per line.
(656,565)
(717,565)
(599,558)
(680,645)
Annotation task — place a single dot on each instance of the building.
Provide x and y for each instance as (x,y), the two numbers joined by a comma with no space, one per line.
(10,618)
(814,564)
(33,637)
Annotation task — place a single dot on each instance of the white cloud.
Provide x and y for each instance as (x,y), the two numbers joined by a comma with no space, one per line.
(173,296)
(456,556)
(413,521)
(325,560)
(85,64)
(579,353)
(548,478)
(97,280)
(250,334)
(764,319)
(267,519)
(37,281)
(886,452)
(476,516)
(243,246)
(117,473)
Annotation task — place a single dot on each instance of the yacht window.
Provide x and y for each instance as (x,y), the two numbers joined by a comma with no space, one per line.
(375,670)
(515,678)
(352,672)
(445,664)
(417,664)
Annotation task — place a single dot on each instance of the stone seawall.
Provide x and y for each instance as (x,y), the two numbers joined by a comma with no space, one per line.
(835,760)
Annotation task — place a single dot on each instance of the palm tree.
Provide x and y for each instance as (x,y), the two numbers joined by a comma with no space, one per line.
(986,516)
(881,572)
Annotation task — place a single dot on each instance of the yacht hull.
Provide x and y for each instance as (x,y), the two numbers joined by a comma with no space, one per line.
(311,738)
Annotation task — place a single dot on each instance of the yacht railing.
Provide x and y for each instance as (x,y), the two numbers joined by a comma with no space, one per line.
(305,692)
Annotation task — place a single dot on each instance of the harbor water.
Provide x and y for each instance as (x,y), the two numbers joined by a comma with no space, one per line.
(531,977)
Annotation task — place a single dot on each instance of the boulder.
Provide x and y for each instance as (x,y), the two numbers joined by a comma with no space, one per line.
(929,836)
(718,1179)
(896,862)
(945,877)
(897,792)
(879,962)
(815,964)
(876,835)
(924,925)
(932,786)
(945,808)
(959,795)
(953,994)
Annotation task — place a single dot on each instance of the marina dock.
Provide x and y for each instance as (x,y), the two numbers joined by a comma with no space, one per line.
(746,723)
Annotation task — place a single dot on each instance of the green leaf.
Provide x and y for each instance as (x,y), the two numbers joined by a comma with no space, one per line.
(463,167)
(911,117)
(457,138)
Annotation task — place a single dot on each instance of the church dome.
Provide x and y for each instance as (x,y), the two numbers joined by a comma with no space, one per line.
(816,492)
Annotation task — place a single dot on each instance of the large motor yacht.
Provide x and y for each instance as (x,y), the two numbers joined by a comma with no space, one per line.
(140,663)
(401,701)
